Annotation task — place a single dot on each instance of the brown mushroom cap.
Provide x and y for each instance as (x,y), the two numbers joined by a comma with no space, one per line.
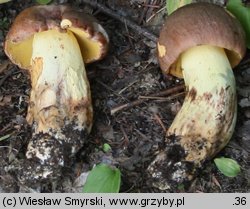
(91,37)
(199,24)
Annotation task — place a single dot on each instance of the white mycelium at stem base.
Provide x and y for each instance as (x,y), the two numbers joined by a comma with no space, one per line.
(60,94)
(207,118)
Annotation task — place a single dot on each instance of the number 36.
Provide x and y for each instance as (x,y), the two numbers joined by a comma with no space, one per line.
(240,201)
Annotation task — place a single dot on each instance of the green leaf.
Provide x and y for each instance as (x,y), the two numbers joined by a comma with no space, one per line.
(43,1)
(172,5)
(106,147)
(4,1)
(227,166)
(181,187)
(242,13)
(103,179)
(5,137)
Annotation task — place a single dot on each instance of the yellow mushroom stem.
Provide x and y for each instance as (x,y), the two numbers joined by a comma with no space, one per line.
(206,121)
(209,110)
(60,101)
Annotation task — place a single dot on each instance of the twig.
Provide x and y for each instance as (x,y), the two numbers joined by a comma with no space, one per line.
(175,96)
(126,140)
(163,99)
(158,119)
(108,88)
(144,11)
(9,148)
(126,87)
(139,101)
(138,29)
(151,97)
(152,16)
(142,135)
(150,5)
(129,37)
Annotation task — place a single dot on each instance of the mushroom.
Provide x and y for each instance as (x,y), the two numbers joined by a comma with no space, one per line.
(201,43)
(53,42)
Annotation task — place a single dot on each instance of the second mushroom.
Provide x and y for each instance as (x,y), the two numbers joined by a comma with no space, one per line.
(201,43)
(53,43)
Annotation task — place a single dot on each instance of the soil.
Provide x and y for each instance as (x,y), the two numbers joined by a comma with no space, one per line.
(136,133)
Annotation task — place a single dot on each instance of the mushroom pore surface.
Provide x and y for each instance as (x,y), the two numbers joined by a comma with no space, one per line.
(92,38)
